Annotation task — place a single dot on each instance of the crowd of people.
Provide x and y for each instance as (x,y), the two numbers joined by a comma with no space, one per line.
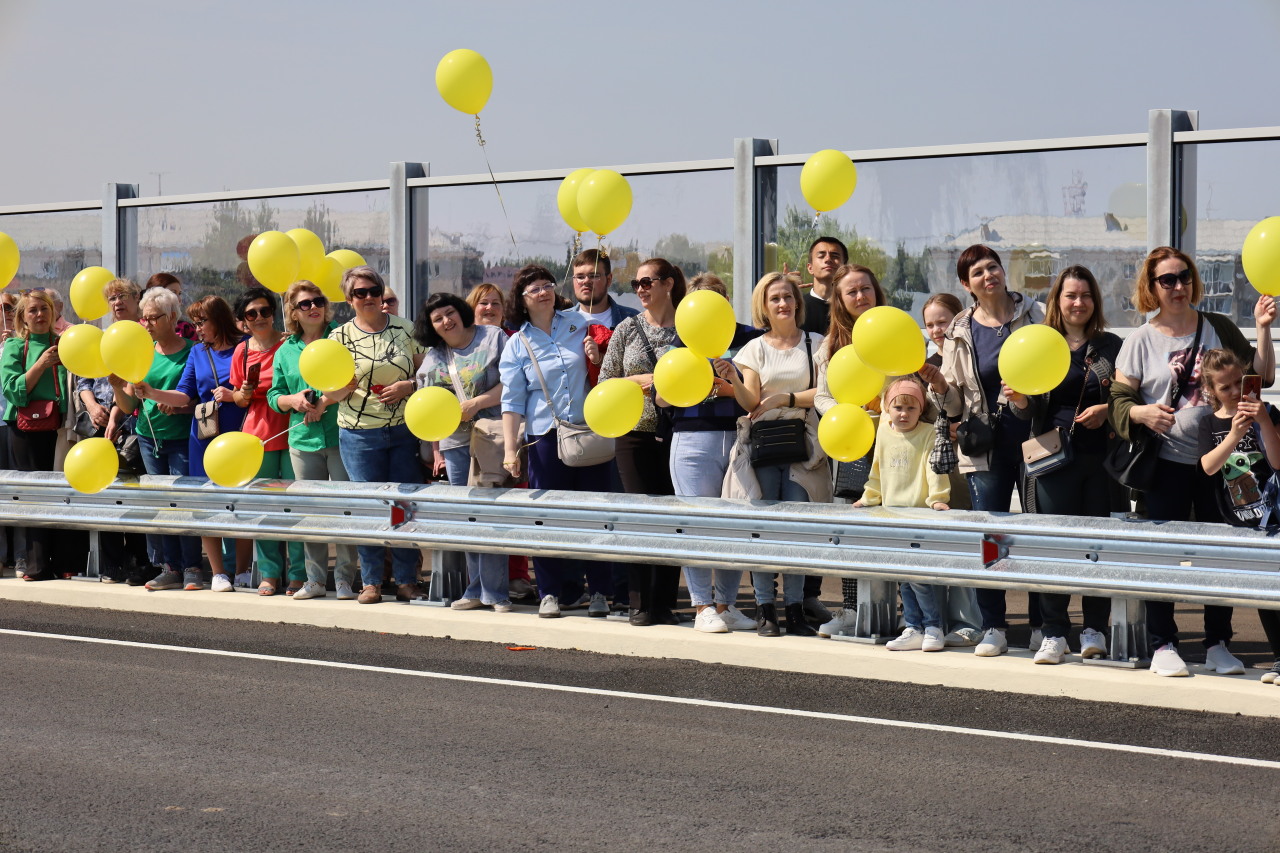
(521,364)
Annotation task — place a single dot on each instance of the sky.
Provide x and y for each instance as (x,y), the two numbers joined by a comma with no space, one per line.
(196,96)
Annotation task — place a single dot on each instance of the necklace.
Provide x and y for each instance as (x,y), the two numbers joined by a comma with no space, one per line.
(1000,329)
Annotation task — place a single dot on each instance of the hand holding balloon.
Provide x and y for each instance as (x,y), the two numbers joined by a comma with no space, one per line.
(1264,311)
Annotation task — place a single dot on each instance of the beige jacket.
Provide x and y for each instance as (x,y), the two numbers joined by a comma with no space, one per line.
(813,474)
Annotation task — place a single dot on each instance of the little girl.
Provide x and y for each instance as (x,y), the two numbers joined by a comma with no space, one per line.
(900,476)
(1240,451)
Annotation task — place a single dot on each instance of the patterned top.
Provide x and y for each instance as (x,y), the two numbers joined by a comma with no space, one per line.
(477,365)
(381,358)
(627,355)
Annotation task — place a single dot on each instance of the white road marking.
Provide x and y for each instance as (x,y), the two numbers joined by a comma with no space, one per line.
(677,700)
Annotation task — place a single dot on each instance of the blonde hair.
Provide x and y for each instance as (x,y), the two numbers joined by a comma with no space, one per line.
(121,285)
(291,324)
(759,298)
(20,314)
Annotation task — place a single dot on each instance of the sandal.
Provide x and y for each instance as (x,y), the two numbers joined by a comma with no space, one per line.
(294,586)
(269,586)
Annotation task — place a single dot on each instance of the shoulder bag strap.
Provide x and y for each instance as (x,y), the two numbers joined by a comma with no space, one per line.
(457,380)
(208,350)
(528,348)
(1181,389)
(26,343)
(808,348)
(648,347)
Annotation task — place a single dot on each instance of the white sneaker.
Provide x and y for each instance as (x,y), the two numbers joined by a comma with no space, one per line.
(993,644)
(503,606)
(466,604)
(933,640)
(1270,676)
(1052,650)
(310,589)
(964,637)
(908,641)
(736,620)
(1221,661)
(1167,662)
(549,608)
(843,620)
(345,592)
(1037,639)
(709,622)
(221,583)
(1093,644)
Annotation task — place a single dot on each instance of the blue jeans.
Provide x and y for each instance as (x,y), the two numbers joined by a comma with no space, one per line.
(776,485)
(919,606)
(178,552)
(992,491)
(381,455)
(698,464)
(486,573)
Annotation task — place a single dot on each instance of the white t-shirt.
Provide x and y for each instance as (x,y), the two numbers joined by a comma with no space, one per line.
(604,318)
(782,371)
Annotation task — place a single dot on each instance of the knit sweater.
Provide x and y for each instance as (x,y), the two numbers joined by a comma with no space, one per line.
(900,473)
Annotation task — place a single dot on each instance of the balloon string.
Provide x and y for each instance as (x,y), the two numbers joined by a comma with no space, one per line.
(496,188)
(266,441)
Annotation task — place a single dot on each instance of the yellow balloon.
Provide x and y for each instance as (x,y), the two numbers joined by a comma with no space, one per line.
(346,258)
(310,253)
(274,260)
(80,349)
(326,365)
(828,179)
(567,200)
(465,80)
(1260,256)
(851,380)
(683,377)
(614,407)
(86,292)
(705,323)
(887,339)
(846,432)
(10,259)
(233,459)
(329,280)
(127,350)
(432,413)
(91,464)
(604,200)
(1034,360)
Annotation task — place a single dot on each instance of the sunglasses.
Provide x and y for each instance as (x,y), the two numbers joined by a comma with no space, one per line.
(391,300)
(367,292)
(644,283)
(308,304)
(255,313)
(1170,280)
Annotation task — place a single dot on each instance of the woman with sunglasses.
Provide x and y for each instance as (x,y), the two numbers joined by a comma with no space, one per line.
(31,374)
(644,455)
(1157,386)
(373,439)
(206,378)
(550,348)
(390,302)
(163,429)
(313,430)
(252,372)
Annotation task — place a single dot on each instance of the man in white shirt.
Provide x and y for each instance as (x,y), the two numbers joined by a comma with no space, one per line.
(592,276)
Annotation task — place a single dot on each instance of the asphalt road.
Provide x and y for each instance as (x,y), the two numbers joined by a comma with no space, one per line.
(111,747)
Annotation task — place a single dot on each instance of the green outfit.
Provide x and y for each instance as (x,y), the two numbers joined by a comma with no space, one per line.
(164,374)
(13,379)
(277,466)
(287,379)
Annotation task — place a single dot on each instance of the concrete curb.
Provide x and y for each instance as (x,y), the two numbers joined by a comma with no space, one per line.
(1012,673)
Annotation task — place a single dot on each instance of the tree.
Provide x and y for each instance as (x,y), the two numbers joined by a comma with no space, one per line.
(906,275)
(797,230)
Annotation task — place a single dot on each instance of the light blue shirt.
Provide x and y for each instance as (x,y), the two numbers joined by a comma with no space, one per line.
(564,368)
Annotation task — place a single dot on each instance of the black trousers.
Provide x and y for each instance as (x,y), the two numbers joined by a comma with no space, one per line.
(644,465)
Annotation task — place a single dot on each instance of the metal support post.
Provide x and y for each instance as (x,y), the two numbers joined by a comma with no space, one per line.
(119,230)
(1168,175)
(1128,648)
(755,206)
(400,240)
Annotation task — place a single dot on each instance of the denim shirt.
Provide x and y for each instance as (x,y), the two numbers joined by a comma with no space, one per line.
(564,368)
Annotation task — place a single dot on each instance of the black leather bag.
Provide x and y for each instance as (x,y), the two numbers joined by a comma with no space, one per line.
(851,477)
(974,436)
(1132,463)
(778,442)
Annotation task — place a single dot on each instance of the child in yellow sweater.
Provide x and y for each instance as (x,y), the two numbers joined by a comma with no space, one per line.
(901,477)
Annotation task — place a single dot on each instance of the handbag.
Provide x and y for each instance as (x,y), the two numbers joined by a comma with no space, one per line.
(664,426)
(851,477)
(782,441)
(41,415)
(943,459)
(1052,451)
(576,445)
(974,436)
(1132,463)
(206,414)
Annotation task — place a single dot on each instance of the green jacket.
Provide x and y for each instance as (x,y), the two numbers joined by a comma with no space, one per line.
(13,375)
(287,379)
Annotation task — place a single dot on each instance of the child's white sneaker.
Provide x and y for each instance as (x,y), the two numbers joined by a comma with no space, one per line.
(908,641)
(934,641)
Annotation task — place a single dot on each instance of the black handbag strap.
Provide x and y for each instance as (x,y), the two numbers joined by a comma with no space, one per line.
(208,350)
(1185,378)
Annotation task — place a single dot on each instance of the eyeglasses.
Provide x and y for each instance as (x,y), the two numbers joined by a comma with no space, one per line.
(118,297)
(645,283)
(308,304)
(1170,280)
(255,313)
(198,323)
(374,292)
(588,276)
(152,319)
(538,289)
(391,300)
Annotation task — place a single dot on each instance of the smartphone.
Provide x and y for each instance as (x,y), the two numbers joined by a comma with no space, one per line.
(1251,386)
(255,371)
(311,396)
